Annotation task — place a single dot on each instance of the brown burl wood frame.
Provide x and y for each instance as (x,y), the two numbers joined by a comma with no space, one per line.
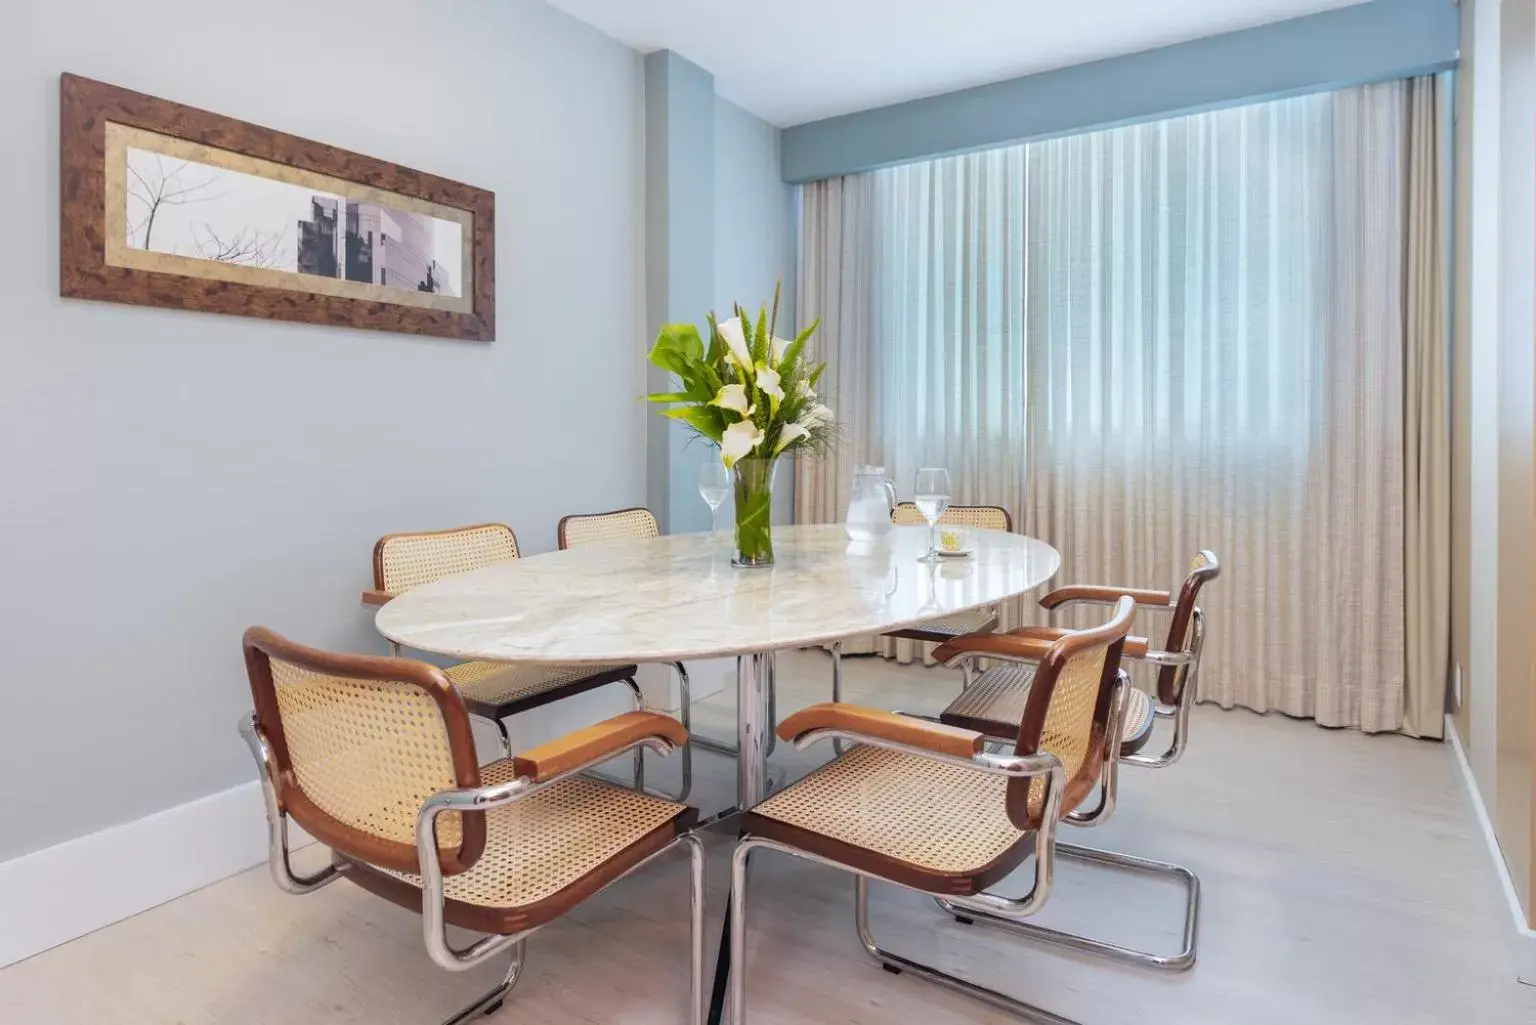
(86,106)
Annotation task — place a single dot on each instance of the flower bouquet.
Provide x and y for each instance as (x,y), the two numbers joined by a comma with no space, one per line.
(753,394)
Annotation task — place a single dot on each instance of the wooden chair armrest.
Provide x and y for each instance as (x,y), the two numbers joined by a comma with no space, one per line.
(1105,596)
(1009,646)
(878,725)
(610,736)
(1135,647)
(377,597)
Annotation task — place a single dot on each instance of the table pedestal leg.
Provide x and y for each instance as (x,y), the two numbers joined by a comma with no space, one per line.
(754,727)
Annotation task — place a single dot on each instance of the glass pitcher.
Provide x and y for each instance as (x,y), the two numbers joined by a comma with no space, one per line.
(871,504)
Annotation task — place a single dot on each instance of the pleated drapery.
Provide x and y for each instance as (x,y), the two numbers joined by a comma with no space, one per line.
(1223,331)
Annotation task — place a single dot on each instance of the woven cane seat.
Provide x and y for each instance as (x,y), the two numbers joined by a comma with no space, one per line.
(545,852)
(923,823)
(597,528)
(500,689)
(994,705)
(940,630)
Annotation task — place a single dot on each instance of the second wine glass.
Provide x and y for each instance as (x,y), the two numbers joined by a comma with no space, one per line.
(714,485)
(931,496)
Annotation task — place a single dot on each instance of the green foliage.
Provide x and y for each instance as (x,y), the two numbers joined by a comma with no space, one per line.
(703,370)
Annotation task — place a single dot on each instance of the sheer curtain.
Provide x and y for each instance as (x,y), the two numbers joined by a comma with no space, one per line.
(1183,334)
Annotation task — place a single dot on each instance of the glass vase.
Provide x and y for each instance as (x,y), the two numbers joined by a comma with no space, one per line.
(754,511)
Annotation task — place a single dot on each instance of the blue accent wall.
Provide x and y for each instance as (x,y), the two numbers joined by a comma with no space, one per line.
(1368,42)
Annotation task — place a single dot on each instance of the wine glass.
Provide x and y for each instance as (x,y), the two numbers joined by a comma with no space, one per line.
(714,485)
(932,498)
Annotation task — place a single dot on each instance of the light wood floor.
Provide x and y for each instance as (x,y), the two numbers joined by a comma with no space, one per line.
(1344,882)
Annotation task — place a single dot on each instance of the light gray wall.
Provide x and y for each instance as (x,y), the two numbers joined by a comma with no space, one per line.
(169,478)
(754,246)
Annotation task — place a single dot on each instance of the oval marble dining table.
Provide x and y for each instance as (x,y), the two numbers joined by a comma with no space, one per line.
(678,597)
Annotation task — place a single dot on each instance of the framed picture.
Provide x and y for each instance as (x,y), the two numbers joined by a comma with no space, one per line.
(167,205)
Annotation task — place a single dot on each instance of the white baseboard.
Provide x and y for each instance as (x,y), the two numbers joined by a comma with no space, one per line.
(1525,936)
(59,893)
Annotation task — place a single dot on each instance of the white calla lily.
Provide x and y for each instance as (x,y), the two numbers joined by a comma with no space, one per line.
(734,398)
(739,441)
(735,338)
(788,435)
(768,384)
(777,346)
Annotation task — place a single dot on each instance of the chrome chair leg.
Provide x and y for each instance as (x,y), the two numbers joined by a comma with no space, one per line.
(685,696)
(639,751)
(491,1002)
(896,964)
(696,963)
(837,684)
(1178,962)
(506,736)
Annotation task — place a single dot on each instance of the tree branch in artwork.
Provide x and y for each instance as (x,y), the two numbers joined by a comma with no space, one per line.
(246,248)
(159,187)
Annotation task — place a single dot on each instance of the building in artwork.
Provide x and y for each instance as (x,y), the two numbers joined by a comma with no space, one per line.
(378,245)
(317,239)
(392,247)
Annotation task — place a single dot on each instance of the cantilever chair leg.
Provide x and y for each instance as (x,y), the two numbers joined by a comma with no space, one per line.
(1181,961)
(893,963)
(491,1002)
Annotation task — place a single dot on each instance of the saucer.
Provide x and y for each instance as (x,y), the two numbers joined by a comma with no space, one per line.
(957,553)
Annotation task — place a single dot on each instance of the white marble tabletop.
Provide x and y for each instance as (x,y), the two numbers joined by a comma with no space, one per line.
(679,597)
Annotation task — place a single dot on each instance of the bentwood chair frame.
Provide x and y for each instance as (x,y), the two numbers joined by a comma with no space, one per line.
(1178,665)
(639,523)
(1044,777)
(492,691)
(421,756)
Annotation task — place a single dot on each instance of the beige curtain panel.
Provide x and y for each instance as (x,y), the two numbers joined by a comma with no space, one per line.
(1223,331)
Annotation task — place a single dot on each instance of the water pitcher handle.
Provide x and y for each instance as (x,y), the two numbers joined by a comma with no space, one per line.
(890,493)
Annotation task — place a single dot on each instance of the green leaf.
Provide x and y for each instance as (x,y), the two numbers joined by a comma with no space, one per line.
(816,374)
(672,396)
(715,354)
(759,336)
(703,419)
(773,321)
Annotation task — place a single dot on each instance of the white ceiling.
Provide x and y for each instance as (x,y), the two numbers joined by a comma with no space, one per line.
(790,61)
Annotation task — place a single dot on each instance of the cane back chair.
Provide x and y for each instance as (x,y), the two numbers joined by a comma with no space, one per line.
(995,696)
(937,631)
(925,806)
(637,524)
(374,757)
(493,691)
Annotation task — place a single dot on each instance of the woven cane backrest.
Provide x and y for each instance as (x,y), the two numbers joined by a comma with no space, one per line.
(977,517)
(595,528)
(1171,679)
(404,561)
(360,744)
(1068,712)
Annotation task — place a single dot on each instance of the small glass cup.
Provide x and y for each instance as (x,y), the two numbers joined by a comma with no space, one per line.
(714,485)
(931,496)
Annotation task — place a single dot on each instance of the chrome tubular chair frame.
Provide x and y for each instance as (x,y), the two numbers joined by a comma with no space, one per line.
(1005,908)
(434,898)
(1184,958)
